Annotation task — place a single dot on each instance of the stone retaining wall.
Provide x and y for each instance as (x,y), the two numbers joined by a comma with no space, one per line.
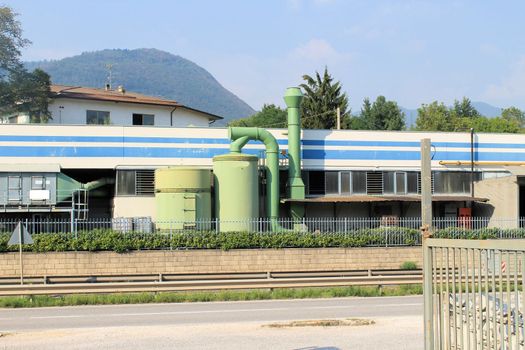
(207,261)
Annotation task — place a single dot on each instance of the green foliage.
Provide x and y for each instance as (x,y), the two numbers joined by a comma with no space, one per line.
(322,97)
(464,109)
(108,240)
(26,93)
(380,115)
(21,92)
(463,116)
(223,295)
(151,72)
(433,117)
(11,40)
(514,114)
(270,116)
(408,265)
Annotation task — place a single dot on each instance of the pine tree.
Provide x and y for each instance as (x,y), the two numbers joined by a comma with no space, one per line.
(322,97)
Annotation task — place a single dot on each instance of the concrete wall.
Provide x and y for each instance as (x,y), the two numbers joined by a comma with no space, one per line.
(74,112)
(207,261)
(503,195)
(134,207)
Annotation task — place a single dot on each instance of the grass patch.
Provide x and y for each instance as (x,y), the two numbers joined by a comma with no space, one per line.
(224,295)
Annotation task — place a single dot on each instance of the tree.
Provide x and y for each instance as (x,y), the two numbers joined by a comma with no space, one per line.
(322,97)
(20,91)
(434,117)
(464,109)
(484,124)
(11,40)
(513,113)
(381,115)
(270,116)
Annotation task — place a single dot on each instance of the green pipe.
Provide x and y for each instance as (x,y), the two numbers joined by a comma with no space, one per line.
(240,136)
(295,185)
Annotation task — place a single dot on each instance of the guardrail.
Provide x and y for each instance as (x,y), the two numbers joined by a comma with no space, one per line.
(171,282)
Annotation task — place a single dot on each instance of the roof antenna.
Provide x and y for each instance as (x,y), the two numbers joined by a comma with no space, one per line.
(109,78)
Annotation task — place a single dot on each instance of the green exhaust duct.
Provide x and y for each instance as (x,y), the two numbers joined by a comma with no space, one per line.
(67,185)
(295,185)
(240,136)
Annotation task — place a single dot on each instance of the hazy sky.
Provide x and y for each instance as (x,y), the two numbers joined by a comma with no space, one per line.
(410,51)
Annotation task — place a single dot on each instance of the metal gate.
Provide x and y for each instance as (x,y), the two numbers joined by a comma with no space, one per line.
(473,291)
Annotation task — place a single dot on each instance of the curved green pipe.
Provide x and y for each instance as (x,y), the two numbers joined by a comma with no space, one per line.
(240,136)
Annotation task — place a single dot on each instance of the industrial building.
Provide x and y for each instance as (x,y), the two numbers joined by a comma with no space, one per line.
(108,171)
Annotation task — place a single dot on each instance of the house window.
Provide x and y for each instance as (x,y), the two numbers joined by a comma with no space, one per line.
(135,183)
(15,188)
(143,119)
(97,117)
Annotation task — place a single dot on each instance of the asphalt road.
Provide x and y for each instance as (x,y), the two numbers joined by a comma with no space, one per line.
(397,324)
(15,320)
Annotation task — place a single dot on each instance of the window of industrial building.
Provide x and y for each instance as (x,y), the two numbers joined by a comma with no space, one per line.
(412,182)
(14,188)
(345,182)
(332,182)
(38,183)
(135,182)
(358,182)
(143,119)
(401,186)
(389,182)
(453,181)
(97,117)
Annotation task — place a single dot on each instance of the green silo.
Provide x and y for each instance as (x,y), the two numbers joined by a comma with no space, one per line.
(183,198)
(236,191)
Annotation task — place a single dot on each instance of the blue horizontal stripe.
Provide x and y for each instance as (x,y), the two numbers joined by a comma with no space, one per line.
(159,152)
(225,141)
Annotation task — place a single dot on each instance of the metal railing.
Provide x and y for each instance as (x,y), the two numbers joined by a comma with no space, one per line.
(349,231)
(474,297)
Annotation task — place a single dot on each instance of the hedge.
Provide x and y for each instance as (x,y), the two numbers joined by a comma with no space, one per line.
(109,240)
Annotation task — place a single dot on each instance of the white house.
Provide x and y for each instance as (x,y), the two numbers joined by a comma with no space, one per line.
(75,105)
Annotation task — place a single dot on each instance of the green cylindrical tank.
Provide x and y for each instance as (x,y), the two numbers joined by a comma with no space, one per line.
(236,191)
(183,198)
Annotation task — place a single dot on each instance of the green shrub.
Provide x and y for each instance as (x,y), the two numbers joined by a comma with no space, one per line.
(109,240)
(408,265)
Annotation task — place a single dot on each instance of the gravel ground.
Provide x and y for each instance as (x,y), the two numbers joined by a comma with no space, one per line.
(403,332)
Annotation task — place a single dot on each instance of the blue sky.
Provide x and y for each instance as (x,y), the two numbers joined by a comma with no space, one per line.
(410,51)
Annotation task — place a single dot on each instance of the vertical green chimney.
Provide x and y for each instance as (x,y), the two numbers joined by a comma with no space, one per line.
(295,185)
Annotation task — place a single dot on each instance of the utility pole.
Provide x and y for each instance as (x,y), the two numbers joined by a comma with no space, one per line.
(338,118)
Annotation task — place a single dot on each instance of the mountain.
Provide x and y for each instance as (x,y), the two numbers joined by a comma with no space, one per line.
(483,108)
(150,72)
(486,109)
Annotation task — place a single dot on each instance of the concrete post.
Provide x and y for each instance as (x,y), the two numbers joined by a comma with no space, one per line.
(426,221)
